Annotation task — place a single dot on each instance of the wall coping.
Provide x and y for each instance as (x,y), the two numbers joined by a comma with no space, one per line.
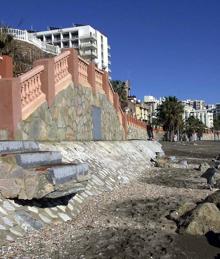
(62,55)
(31,73)
(46,68)
(83,60)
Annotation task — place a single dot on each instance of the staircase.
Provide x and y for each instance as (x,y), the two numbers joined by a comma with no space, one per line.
(26,172)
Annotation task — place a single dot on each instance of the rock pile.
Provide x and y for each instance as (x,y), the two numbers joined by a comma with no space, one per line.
(198,219)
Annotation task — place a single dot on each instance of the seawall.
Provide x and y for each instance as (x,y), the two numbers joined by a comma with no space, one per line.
(76,114)
(111,164)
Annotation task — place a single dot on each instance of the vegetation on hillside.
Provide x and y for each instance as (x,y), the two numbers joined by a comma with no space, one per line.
(7,45)
(23,53)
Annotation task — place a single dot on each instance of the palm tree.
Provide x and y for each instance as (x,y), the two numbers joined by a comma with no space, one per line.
(216,125)
(120,88)
(194,125)
(169,115)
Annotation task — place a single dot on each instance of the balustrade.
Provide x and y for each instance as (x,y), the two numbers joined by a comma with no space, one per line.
(61,73)
(98,80)
(83,72)
(31,93)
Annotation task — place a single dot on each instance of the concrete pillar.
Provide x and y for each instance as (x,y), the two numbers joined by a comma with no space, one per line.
(47,79)
(73,65)
(105,84)
(91,76)
(6,67)
(116,102)
(10,105)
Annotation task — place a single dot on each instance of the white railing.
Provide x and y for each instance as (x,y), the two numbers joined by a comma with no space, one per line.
(30,38)
(88,44)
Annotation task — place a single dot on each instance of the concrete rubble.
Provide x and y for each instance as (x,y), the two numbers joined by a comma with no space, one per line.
(26,172)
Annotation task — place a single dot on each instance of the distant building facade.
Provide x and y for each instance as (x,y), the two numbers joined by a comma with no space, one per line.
(199,110)
(92,44)
(152,104)
(217,110)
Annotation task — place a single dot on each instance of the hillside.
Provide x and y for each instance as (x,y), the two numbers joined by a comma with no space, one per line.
(24,54)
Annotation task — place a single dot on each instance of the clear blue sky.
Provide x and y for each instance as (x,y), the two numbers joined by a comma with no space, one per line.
(165,47)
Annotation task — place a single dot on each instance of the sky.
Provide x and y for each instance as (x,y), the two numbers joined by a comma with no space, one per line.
(164,47)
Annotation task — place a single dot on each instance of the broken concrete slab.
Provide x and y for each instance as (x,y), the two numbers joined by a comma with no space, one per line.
(30,160)
(16,146)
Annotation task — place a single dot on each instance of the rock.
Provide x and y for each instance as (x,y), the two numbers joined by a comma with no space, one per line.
(217,183)
(214,198)
(159,154)
(185,207)
(203,167)
(9,188)
(216,163)
(184,163)
(204,218)
(27,222)
(66,189)
(172,158)
(161,162)
(209,173)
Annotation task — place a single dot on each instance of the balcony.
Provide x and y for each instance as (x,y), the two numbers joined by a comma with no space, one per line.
(91,36)
(89,54)
(48,39)
(88,45)
(74,37)
(109,47)
(109,62)
(109,55)
(75,46)
(65,39)
(56,39)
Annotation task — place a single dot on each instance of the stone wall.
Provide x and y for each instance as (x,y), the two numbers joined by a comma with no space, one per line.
(135,132)
(70,118)
(211,136)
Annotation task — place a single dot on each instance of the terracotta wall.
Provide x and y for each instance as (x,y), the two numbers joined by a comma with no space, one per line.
(21,96)
(6,67)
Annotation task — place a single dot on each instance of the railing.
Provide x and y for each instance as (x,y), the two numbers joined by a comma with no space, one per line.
(89,53)
(83,71)
(30,38)
(31,93)
(98,79)
(90,36)
(88,44)
(135,122)
(61,72)
(21,96)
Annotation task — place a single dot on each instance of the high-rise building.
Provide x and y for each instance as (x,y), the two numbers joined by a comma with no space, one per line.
(198,104)
(217,110)
(92,44)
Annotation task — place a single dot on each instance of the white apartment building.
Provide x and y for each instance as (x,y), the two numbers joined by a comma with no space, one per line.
(196,104)
(91,43)
(204,115)
(152,102)
(217,110)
